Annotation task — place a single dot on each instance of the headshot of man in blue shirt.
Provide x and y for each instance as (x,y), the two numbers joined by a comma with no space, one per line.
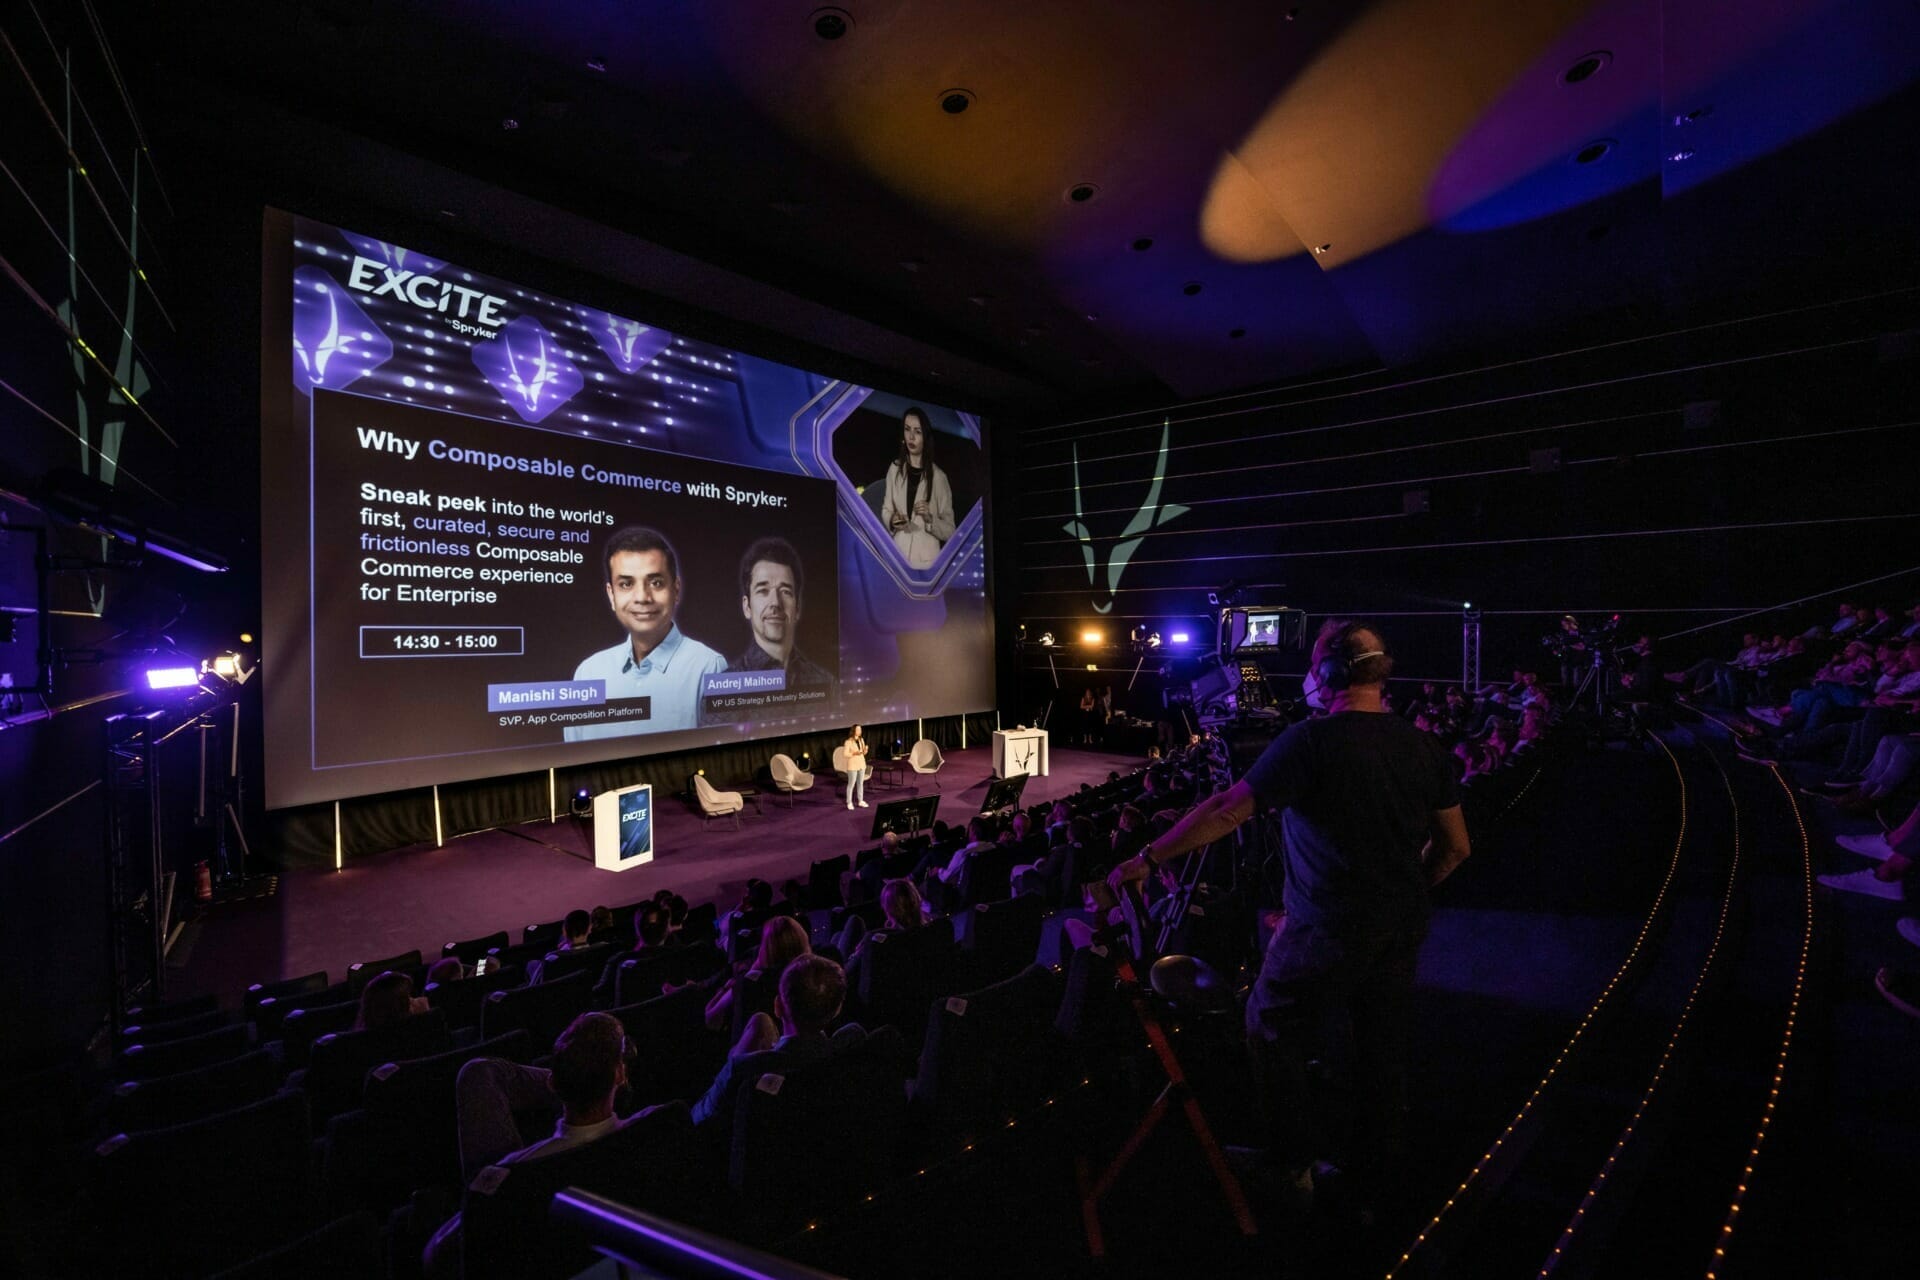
(656,661)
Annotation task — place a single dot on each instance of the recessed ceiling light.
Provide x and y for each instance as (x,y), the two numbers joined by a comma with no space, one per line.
(1680,156)
(1093,315)
(1143,244)
(1191,287)
(1082,192)
(955,101)
(980,299)
(509,123)
(448,213)
(598,65)
(1322,250)
(1594,152)
(831,23)
(1694,116)
(1586,67)
(1236,333)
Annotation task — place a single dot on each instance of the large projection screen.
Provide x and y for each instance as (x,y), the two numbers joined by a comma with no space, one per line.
(503,531)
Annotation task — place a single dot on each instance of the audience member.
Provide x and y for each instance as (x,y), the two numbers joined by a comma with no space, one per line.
(782,939)
(387,1001)
(811,992)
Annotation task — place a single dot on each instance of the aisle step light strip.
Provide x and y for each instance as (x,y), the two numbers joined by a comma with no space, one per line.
(1786,1040)
(1666,1055)
(1606,993)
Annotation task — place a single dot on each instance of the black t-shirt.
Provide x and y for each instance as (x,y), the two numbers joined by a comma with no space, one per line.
(1359,789)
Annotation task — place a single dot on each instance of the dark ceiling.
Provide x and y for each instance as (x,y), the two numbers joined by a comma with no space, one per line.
(1270,192)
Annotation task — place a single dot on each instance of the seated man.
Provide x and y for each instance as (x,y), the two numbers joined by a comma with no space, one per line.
(589,1068)
(812,992)
(574,931)
(650,927)
(979,837)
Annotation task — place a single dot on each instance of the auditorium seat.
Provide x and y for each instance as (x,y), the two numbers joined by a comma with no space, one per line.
(897,972)
(409,963)
(809,1142)
(169,1057)
(987,876)
(542,1011)
(404,1136)
(462,1000)
(304,1026)
(998,939)
(823,882)
(172,1010)
(344,1248)
(473,948)
(656,1164)
(556,965)
(146,1032)
(338,1065)
(545,936)
(987,1059)
(270,1013)
(640,977)
(287,987)
(166,1100)
(192,1198)
(675,1056)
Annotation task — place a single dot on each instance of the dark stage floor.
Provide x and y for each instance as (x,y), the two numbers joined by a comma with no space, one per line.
(422,896)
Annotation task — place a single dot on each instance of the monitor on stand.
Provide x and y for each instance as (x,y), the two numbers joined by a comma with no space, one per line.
(905,818)
(1004,793)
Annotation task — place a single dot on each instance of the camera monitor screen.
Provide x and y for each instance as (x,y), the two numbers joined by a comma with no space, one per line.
(506,530)
(1004,793)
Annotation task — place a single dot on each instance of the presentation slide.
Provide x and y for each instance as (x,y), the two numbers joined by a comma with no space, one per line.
(504,531)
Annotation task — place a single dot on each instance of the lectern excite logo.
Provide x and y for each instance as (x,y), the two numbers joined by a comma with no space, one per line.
(1150,516)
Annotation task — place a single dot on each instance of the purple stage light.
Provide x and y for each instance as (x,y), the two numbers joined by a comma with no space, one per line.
(527,367)
(628,343)
(172,677)
(334,341)
(1180,637)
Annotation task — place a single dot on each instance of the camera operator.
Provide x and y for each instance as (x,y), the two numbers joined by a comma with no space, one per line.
(1365,794)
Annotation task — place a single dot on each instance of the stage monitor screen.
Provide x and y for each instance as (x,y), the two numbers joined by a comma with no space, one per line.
(1004,793)
(905,817)
(504,531)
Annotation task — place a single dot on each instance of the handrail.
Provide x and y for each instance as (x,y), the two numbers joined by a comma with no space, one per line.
(677,1252)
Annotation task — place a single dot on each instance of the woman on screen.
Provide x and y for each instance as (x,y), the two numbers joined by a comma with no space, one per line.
(918,510)
(855,750)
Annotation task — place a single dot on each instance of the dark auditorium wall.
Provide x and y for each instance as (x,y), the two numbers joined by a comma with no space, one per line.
(1678,479)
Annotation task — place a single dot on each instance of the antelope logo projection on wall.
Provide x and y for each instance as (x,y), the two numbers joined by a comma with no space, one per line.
(1150,516)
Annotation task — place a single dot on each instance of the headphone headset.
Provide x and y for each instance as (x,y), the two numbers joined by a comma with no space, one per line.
(1335,670)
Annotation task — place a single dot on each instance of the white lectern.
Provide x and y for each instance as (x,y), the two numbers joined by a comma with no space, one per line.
(623,828)
(1019,751)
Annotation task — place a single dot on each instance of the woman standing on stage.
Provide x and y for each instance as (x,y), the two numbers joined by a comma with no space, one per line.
(855,749)
(918,510)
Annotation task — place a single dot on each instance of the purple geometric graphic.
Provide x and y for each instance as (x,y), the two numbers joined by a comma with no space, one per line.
(393,255)
(527,367)
(334,343)
(628,343)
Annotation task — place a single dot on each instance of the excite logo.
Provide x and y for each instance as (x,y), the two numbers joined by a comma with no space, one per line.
(529,368)
(1151,515)
(636,814)
(470,311)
